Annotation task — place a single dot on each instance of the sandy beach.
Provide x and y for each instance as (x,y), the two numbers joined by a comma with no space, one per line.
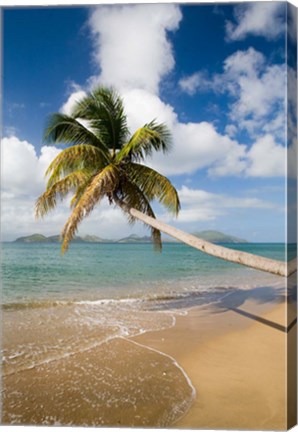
(236,363)
(221,366)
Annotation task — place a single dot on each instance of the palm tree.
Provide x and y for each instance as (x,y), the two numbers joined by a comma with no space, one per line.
(103,160)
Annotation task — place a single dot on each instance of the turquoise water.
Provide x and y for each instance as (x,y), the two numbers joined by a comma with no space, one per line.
(38,272)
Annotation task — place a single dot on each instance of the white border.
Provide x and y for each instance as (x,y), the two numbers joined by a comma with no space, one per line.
(21,3)
(97,2)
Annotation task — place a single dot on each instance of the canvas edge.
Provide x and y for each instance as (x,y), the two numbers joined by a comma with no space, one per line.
(291,214)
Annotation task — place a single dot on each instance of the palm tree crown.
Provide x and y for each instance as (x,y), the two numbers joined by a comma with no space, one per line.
(103,160)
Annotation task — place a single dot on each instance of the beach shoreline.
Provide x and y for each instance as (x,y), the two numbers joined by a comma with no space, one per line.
(219,365)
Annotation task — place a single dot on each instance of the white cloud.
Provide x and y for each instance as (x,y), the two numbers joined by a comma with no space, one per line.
(247,63)
(190,196)
(200,205)
(17,219)
(196,145)
(22,181)
(266,158)
(72,99)
(259,90)
(200,145)
(142,107)
(256,90)
(231,130)
(265,19)
(200,82)
(196,82)
(191,83)
(131,44)
(22,170)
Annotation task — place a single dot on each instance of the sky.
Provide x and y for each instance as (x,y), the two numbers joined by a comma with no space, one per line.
(215,74)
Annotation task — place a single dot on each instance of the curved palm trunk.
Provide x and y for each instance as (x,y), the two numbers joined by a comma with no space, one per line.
(250,260)
(257,262)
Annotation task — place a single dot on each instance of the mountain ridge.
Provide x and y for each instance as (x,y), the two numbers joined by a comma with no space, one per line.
(40,238)
(218,237)
(208,235)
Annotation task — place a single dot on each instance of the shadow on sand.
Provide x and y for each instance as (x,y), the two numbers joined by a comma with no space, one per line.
(234,300)
(221,300)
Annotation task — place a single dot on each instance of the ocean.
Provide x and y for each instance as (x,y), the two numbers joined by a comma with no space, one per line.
(36,273)
(56,309)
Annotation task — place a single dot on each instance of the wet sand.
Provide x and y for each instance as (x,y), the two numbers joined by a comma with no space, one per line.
(116,384)
(236,363)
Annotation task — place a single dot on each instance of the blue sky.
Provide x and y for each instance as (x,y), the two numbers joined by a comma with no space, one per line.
(214,73)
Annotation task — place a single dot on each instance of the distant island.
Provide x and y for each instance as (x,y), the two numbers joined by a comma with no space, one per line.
(134,238)
(212,236)
(40,238)
(218,237)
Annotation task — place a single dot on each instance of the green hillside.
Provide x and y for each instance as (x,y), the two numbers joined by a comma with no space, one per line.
(212,236)
(133,238)
(34,238)
(218,237)
(40,238)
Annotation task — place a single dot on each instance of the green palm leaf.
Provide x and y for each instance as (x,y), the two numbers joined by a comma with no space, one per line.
(154,186)
(132,197)
(59,190)
(62,128)
(103,108)
(80,156)
(102,184)
(149,138)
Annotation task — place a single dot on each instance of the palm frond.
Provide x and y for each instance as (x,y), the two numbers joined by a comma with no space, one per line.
(147,139)
(65,129)
(133,197)
(104,110)
(154,186)
(59,190)
(103,183)
(101,161)
(78,194)
(80,156)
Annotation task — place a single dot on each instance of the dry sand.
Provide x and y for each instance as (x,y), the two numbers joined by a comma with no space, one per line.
(236,364)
